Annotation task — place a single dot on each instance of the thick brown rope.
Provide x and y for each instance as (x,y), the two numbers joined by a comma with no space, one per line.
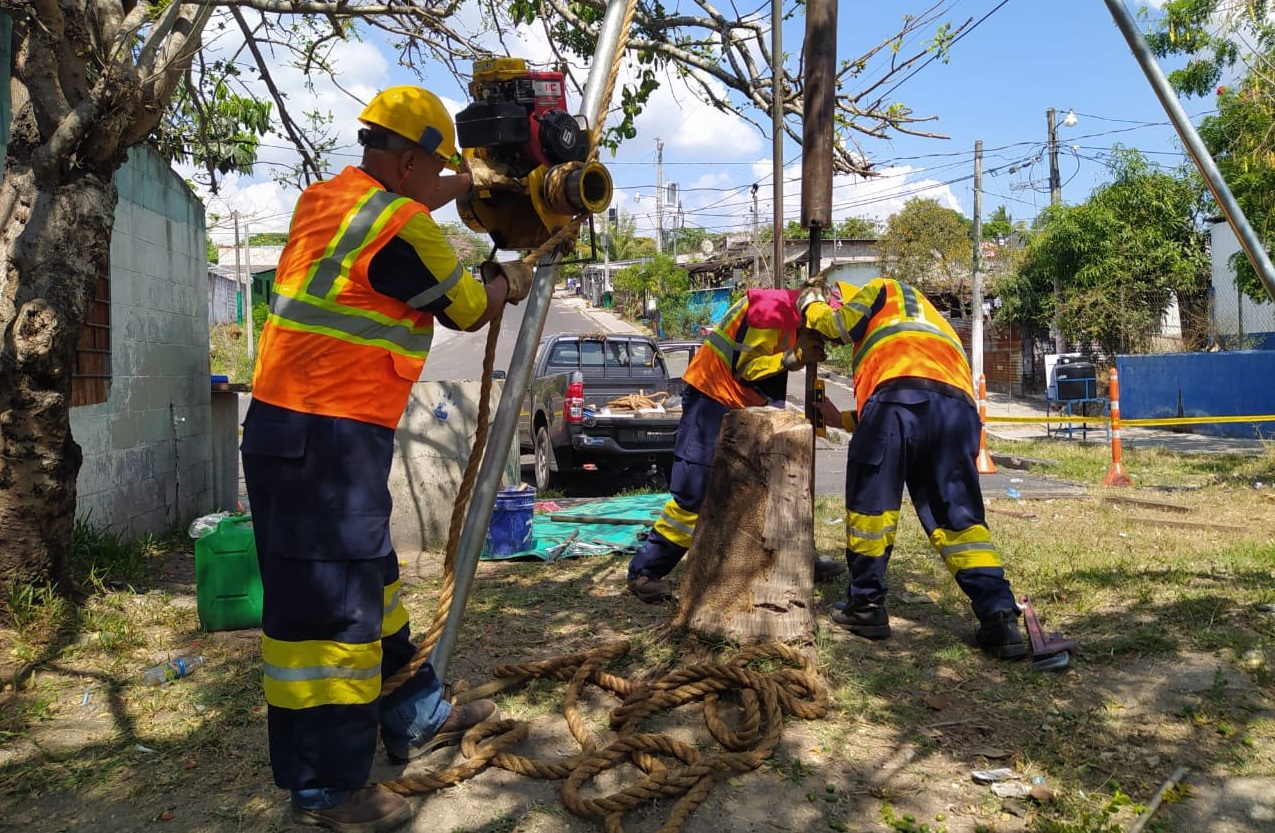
(670,768)
(458,516)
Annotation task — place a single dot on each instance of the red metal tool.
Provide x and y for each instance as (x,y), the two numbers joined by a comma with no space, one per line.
(1049,653)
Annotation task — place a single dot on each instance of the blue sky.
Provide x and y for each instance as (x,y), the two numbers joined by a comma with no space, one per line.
(1026,56)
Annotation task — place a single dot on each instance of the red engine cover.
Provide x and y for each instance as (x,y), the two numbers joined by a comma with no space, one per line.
(551,94)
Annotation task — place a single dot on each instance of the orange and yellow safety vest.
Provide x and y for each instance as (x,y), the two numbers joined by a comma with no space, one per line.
(747,345)
(897,333)
(332,345)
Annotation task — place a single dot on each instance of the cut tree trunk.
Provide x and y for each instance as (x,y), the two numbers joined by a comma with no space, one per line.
(750,569)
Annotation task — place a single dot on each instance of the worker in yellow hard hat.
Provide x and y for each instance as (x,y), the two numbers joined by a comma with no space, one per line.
(365,275)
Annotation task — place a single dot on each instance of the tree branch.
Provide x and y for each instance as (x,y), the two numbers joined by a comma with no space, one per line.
(308,164)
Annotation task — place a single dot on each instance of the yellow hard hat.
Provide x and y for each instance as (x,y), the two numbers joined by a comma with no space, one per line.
(416,115)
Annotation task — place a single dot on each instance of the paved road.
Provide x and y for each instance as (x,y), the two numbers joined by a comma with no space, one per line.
(460,355)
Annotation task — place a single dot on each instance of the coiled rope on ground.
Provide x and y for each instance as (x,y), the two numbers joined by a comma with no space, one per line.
(671,768)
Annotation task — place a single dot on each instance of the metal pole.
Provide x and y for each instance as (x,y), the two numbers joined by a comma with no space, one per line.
(505,423)
(1248,238)
(592,107)
(247,319)
(976,333)
(1055,198)
(777,135)
(659,197)
(499,437)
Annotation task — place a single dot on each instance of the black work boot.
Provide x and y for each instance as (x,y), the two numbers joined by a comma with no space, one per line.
(828,568)
(871,621)
(1000,636)
(651,590)
(369,810)
(461,720)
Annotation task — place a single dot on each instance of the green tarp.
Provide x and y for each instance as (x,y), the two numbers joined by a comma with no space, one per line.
(548,537)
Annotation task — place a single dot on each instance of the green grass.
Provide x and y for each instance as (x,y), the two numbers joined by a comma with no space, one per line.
(1138,597)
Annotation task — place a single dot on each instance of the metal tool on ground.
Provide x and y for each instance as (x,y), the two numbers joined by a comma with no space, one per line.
(599,519)
(559,550)
(1048,653)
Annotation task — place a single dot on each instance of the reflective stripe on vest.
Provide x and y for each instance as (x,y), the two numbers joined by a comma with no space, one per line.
(312,308)
(729,350)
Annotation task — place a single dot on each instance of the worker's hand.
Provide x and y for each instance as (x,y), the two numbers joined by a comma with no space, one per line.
(517,275)
(832,416)
(815,289)
(488,175)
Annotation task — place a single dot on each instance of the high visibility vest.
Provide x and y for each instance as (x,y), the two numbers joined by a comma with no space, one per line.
(743,347)
(332,345)
(907,337)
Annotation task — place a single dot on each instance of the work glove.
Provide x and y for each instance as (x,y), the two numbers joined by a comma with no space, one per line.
(809,349)
(815,289)
(486,175)
(516,273)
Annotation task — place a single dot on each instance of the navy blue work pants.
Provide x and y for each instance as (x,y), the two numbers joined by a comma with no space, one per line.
(925,440)
(318,487)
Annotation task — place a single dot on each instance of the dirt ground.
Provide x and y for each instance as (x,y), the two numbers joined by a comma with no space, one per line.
(910,720)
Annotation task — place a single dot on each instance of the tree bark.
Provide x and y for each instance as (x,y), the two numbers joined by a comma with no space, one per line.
(53,245)
(750,569)
(57,212)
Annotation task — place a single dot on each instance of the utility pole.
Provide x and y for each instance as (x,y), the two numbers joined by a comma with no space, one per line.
(756,239)
(238,270)
(777,137)
(1055,198)
(612,217)
(247,259)
(976,332)
(659,196)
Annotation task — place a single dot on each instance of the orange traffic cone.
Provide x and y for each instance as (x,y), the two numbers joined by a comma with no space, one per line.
(1116,475)
(984,462)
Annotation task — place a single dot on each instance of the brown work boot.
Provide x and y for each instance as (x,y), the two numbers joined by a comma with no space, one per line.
(461,720)
(369,810)
(650,590)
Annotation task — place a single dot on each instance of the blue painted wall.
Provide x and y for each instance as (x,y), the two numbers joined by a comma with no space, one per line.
(716,300)
(1201,384)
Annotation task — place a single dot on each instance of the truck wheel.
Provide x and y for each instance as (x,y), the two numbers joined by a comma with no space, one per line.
(546,477)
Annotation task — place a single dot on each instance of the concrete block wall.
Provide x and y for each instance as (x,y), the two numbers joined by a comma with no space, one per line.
(431,449)
(147,449)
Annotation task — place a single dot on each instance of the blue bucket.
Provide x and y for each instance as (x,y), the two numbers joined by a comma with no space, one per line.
(510,529)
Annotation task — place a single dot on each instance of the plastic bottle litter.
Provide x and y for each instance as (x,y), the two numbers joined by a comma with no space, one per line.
(1013,492)
(174,669)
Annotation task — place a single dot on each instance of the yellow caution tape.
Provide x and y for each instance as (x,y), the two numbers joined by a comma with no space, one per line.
(1134,423)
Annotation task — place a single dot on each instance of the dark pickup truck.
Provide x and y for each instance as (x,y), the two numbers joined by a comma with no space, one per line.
(565,418)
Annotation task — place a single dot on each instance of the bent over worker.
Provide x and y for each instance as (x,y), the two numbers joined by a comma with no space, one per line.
(917,425)
(743,362)
(364,276)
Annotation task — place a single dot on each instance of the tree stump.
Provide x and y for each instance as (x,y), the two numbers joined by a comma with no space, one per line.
(750,571)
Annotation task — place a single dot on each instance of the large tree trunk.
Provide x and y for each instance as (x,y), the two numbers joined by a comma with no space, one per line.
(750,570)
(57,211)
(54,242)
